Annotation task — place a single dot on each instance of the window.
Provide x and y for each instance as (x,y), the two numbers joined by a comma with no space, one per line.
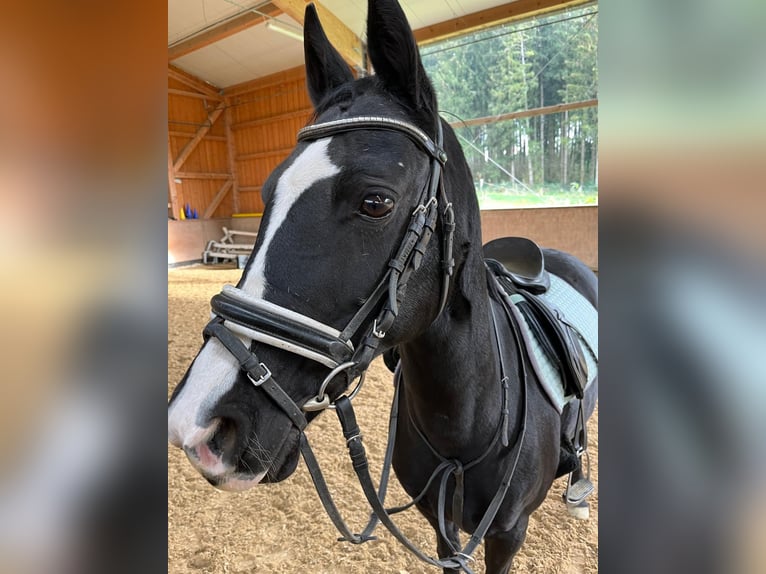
(522,99)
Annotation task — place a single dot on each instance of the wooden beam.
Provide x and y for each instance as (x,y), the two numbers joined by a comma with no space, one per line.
(341,36)
(231,150)
(517,10)
(526,113)
(217,199)
(189,147)
(262,154)
(188,94)
(228,27)
(272,119)
(192,134)
(201,175)
(172,183)
(193,81)
(276,79)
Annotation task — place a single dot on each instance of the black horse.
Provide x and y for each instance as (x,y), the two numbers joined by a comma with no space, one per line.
(354,205)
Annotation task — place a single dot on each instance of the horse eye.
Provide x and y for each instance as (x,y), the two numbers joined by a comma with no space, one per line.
(376,206)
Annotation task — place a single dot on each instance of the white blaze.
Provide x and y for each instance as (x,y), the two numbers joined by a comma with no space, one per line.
(215,369)
(311,166)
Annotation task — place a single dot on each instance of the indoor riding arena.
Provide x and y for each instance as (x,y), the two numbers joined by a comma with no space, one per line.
(526,118)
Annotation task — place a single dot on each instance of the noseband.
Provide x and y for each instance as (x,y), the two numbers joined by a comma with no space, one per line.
(237,313)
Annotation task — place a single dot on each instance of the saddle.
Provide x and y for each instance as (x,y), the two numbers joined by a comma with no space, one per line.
(521,260)
(518,266)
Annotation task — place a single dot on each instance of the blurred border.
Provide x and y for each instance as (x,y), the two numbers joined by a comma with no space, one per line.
(83,192)
(83,279)
(681,240)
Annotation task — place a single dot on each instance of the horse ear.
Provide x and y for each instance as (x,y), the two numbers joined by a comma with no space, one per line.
(395,55)
(325,68)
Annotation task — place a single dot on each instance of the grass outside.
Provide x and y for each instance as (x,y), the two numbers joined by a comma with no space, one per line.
(499,196)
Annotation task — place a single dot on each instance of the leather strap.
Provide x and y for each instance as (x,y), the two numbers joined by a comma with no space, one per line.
(281,328)
(325,497)
(356,451)
(257,372)
(417,135)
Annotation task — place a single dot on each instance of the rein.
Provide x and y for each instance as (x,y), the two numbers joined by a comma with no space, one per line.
(240,315)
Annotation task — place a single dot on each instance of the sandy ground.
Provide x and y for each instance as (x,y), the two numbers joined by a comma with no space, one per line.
(282,528)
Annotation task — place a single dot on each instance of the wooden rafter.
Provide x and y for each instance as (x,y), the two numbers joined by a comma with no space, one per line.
(516,10)
(190,94)
(223,30)
(189,147)
(275,79)
(217,199)
(192,134)
(202,175)
(341,36)
(193,82)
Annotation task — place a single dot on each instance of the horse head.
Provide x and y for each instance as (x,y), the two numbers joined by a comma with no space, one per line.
(337,213)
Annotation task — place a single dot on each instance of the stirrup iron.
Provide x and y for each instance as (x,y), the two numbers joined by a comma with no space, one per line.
(580,490)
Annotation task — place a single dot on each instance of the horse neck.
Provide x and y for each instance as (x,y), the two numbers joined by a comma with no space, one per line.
(451,377)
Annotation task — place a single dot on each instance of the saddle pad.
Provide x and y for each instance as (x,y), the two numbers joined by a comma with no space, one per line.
(579,314)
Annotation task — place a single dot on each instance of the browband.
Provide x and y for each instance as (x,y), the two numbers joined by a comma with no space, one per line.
(373,122)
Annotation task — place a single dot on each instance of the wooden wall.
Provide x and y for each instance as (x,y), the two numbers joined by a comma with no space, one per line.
(266,115)
(248,139)
(205,170)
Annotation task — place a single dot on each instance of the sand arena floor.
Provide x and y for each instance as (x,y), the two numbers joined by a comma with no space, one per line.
(282,528)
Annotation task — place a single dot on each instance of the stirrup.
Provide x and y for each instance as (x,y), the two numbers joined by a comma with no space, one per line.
(580,490)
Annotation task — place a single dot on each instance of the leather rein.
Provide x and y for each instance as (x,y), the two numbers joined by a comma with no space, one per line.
(237,313)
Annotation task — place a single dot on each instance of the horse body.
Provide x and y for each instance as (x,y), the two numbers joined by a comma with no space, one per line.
(327,198)
(452,394)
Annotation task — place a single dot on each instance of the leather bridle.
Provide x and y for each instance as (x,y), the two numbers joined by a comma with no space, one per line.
(237,312)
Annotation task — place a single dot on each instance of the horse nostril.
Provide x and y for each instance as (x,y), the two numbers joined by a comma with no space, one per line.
(224,439)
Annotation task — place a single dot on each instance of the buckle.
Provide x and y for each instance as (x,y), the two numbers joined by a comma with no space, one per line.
(265,377)
(423,207)
(377,332)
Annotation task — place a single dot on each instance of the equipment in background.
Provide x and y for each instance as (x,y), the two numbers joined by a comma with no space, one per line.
(227,250)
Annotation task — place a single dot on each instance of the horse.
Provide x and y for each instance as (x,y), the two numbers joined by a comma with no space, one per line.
(370,244)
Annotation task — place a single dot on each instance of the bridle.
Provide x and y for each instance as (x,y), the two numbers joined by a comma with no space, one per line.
(238,313)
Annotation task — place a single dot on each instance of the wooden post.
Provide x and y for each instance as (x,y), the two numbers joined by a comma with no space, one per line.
(174,203)
(345,41)
(232,153)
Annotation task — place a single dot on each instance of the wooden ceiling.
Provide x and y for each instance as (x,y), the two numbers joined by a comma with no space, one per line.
(227,42)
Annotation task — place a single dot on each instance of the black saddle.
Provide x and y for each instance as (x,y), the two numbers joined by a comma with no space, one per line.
(517,264)
(521,260)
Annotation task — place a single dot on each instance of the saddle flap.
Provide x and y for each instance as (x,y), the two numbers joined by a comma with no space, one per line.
(523,261)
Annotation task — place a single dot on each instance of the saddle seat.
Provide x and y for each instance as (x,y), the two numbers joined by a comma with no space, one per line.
(522,262)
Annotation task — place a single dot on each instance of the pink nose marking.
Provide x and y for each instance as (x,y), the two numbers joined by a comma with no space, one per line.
(204,455)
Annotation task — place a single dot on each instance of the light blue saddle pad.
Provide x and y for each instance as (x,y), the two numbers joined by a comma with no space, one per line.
(579,314)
